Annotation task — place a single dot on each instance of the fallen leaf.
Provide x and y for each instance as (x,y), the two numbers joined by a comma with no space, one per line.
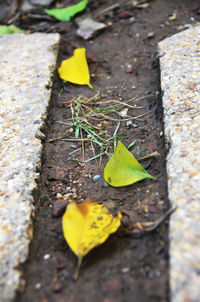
(123,169)
(9,29)
(65,14)
(75,69)
(88,26)
(87,225)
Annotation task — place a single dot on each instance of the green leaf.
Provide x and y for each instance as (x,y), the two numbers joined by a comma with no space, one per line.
(123,169)
(9,29)
(65,14)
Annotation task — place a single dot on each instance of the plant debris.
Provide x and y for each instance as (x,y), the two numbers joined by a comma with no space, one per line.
(88,27)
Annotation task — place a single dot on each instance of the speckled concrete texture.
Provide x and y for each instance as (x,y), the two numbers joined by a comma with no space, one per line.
(180,82)
(27,63)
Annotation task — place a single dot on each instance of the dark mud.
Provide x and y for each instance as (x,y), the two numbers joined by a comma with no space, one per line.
(123,269)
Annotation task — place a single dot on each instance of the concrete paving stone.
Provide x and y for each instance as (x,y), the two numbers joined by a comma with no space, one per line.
(180,83)
(27,63)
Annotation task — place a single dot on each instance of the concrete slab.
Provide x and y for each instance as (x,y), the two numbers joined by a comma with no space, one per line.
(180,82)
(26,66)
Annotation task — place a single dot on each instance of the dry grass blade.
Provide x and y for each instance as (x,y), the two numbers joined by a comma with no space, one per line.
(89,123)
(141,228)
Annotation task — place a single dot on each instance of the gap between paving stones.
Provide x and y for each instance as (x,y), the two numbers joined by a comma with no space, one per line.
(179,118)
(27,64)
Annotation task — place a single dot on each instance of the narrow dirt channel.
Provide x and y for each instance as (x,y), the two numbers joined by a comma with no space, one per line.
(124,268)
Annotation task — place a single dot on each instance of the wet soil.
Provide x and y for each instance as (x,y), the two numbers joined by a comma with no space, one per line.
(124,268)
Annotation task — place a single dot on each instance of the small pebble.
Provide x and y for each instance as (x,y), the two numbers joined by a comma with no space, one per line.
(191,86)
(132,19)
(151,275)
(152,209)
(110,204)
(66,196)
(58,195)
(96,178)
(37,122)
(129,69)
(188,25)
(57,287)
(180,27)
(151,35)
(46,256)
(105,185)
(58,208)
(129,123)
(125,221)
(74,195)
(172,18)
(38,286)
(125,270)
(123,112)
(73,146)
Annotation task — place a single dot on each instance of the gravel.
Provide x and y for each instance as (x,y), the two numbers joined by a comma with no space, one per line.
(27,63)
(180,75)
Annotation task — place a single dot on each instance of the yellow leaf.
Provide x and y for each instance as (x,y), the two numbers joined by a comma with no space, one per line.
(87,225)
(75,69)
(123,169)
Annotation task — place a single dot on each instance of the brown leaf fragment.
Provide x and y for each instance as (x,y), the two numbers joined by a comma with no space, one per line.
(141,228)
(91,59)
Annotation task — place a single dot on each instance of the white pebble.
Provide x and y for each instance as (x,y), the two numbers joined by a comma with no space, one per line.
(46,256)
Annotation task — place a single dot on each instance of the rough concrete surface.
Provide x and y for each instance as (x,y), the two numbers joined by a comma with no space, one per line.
(27,63)
(180,82)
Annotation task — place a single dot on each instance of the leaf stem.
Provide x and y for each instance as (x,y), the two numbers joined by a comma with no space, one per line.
(78,268)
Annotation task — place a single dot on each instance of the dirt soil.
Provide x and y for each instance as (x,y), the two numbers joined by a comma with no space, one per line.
(124,268)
